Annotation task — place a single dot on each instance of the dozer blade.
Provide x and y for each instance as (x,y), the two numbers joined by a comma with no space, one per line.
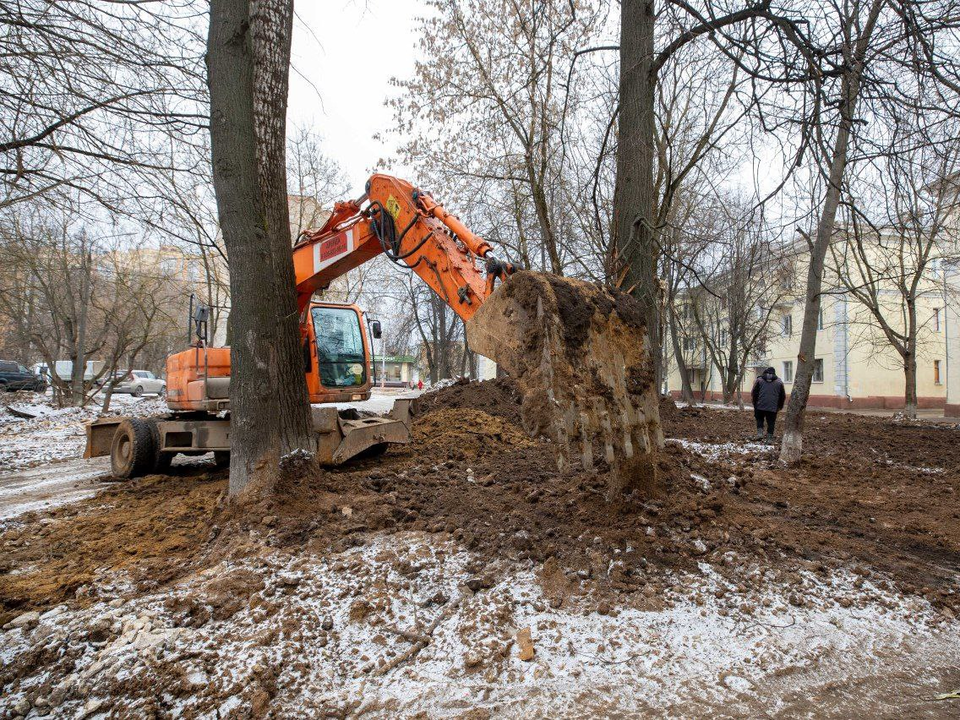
(344,434)
(580,357)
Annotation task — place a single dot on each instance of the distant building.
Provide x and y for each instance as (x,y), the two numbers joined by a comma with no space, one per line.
(396,370)
(855,366)
(952,339)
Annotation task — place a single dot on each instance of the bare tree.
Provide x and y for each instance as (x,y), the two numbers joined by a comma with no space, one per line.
(69,295)
(248,55)
(854,51)
(316,182)
(90,90)
(742,276)
(439,329)
(493,72)
(887,254)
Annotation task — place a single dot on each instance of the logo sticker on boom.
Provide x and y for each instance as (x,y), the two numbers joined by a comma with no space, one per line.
(332,247)
(393,207)
(329,251)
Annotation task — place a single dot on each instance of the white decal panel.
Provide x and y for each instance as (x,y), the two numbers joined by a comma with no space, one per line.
(329,251)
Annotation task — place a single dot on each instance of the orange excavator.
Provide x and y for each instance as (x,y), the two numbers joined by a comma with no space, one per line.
(392,218)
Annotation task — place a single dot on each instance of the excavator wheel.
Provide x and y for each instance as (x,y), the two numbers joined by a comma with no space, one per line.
(134,449)
(162,460)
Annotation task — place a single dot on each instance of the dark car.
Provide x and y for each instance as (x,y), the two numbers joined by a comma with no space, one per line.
(14,376)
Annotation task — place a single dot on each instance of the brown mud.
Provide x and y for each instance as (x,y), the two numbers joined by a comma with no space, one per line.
(872,494)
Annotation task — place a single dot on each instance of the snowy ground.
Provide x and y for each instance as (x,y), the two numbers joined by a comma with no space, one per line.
(337,634)
(391,628)
(381,400)
(56,433)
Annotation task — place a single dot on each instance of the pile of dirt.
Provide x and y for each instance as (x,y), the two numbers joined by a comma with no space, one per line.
(868,490)
(472,473)
(499,397)
(669,412)
(142,530)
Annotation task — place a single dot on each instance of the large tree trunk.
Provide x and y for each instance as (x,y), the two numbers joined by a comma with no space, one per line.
(910,386)
(910,364)
(634,200)
(634,260)
(792,446)
(270,414)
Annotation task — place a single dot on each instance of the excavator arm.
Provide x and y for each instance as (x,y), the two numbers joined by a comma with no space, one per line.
(414,231)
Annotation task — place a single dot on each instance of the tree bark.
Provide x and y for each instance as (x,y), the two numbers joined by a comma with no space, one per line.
(270,414)
(910,364)
(634,198)
(792,445)
(633,246)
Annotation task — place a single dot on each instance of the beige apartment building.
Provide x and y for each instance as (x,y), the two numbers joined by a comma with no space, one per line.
(952,339)
(856,366)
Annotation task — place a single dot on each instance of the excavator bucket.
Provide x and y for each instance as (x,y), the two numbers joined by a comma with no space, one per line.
(580,356)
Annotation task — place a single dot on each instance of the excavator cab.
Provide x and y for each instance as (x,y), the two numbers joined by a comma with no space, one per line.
(337,353)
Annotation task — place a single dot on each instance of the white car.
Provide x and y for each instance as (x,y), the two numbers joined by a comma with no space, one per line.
(139,382)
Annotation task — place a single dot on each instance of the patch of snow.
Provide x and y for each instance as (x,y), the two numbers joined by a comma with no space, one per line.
(717,451)
(329,633)
(380,402)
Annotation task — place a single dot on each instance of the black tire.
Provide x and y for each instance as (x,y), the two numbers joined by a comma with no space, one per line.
(162,460)
(137,391)
(134,451)
(221,458)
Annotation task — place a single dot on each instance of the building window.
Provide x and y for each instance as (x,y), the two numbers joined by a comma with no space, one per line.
(194,271)
(788,370)
(787,325)
(820,319)
(818,370)
(936,319)
(936,372)
(689,344)
(723,338)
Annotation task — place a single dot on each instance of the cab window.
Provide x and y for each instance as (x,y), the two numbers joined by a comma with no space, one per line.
(340,357)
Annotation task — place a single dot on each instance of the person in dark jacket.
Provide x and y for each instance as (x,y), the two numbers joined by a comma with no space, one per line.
(768,397)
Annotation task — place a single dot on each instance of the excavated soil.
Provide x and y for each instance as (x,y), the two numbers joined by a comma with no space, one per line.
(578,354)
(872,494)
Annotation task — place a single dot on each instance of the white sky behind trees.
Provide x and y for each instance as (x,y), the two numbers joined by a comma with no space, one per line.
(344,54)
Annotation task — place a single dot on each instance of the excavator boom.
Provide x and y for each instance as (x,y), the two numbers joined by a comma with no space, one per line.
(414,231)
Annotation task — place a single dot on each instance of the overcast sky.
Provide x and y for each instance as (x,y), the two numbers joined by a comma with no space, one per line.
(344,54)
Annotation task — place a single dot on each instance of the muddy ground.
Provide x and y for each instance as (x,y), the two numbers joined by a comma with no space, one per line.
(865,530)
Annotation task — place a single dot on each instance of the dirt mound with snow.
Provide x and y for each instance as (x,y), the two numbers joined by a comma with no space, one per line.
(369,586)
